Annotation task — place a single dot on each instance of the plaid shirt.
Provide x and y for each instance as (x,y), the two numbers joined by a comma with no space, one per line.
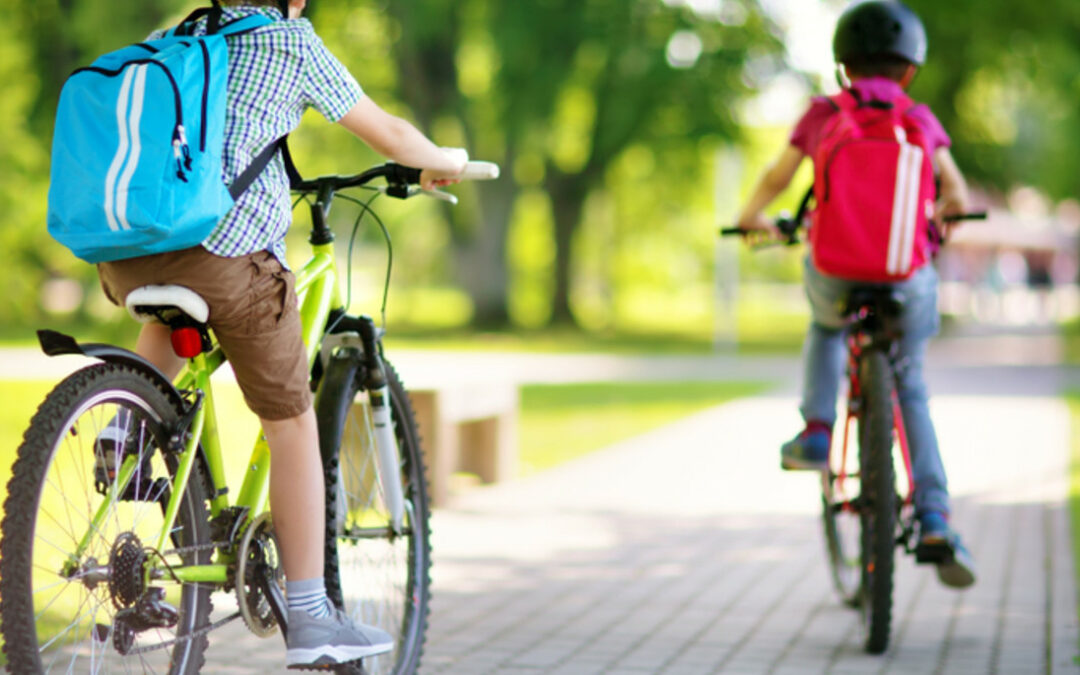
(275,73)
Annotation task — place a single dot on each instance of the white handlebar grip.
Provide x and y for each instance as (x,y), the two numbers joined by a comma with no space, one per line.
(480,171)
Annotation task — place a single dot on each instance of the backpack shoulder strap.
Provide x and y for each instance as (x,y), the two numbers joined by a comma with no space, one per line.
(259,164)
(847,100)
(244,25)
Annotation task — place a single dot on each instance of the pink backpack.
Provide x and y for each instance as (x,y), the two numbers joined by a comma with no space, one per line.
(874,187)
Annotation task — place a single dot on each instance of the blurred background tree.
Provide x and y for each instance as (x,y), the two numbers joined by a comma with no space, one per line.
(1004,78)
(607,117)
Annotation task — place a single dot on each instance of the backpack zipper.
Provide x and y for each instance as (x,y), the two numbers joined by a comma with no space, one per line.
(205,94)
(179,138)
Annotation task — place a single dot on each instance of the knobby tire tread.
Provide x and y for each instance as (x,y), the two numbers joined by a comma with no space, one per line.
(879,498)
(339,390)
(17,528)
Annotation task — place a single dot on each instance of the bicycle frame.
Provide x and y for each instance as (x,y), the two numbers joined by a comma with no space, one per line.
(855,351)
(317,287)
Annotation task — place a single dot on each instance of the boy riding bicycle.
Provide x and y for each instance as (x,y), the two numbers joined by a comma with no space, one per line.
(275,73)
(878,46)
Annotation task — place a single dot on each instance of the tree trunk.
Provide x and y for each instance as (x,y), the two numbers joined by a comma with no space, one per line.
(567,193)
(481,256)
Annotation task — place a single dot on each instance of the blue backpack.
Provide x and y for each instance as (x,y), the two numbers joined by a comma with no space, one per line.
(137,150)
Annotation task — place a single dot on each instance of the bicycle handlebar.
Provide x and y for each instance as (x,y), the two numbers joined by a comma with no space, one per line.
(399,180)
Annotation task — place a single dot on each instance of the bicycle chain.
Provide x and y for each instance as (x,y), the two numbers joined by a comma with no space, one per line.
(175,641)
(202,631)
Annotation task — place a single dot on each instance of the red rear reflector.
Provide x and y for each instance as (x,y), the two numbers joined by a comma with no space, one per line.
(186,342)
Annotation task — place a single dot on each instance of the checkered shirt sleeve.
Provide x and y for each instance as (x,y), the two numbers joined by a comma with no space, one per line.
(275,74)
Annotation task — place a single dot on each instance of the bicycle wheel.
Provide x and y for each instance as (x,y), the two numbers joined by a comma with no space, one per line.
(878,500)
(380,578)
(842,526)
(62,609)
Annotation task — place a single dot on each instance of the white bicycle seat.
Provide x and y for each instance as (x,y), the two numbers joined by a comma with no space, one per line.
(182,298)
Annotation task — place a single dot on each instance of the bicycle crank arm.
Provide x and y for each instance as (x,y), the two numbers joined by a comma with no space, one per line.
(272,592)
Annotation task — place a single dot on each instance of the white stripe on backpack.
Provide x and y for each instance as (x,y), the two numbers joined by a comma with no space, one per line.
(137,97)
(121,151)
(905,209)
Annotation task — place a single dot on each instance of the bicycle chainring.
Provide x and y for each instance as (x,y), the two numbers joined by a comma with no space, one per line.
(258,553)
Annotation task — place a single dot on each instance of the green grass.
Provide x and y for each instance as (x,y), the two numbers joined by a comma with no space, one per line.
(1071,334)
(562,422)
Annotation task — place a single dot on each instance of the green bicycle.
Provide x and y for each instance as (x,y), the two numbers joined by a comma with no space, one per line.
(117,573)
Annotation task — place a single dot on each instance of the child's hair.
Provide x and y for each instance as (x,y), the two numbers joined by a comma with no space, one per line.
(891,67)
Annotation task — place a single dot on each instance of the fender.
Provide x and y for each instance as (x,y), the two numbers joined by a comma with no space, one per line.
(54,343)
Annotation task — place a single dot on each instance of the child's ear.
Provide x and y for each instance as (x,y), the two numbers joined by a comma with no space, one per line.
(909,75)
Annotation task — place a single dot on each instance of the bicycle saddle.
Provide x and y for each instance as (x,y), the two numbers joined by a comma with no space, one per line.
(885,302)
(164,303)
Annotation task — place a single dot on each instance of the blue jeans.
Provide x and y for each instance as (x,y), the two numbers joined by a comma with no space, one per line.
(825,356)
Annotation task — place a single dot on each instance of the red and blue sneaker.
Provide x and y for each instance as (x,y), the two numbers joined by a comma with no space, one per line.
(809,451)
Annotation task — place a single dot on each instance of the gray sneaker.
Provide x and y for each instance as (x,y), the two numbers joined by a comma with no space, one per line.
(335,639)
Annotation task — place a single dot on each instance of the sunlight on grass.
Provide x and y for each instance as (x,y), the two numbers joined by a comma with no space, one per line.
(562,422)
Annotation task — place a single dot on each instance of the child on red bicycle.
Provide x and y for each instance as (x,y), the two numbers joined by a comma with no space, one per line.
(875,202)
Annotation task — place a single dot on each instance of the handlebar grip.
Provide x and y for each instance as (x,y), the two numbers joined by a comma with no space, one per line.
(974,215)
(731,231)
(480,171)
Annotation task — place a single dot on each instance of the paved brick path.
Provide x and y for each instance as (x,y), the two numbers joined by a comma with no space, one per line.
(686,551)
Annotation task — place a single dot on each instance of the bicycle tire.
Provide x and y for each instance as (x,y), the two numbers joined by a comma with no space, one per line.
(378,581)
(878,499)
(842,544)
(54,471)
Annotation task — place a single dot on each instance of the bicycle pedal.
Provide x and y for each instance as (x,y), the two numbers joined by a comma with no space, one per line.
(933,553)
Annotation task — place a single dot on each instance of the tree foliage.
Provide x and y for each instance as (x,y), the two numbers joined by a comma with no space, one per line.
(1003,78)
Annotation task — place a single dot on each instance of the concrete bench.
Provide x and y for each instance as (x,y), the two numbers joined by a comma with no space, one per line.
(469,426)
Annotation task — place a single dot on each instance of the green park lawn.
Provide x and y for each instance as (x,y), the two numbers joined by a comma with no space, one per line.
(557,422)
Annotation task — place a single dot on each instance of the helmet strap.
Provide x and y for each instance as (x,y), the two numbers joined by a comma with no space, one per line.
(284,5)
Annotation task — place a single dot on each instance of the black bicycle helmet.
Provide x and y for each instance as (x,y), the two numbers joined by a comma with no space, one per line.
(879,28)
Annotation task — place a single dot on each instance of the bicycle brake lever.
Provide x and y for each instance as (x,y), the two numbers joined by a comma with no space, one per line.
(440,195)
(414,191)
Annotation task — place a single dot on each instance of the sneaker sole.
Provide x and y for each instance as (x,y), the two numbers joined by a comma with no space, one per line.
(791,464)
(955,575)
(329,655)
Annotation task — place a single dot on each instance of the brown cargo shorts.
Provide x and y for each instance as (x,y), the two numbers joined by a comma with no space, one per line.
(253,312)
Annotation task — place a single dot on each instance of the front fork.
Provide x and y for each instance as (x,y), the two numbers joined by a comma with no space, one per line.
(376,383)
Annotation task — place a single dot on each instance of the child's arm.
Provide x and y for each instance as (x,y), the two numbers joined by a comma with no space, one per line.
(774,181)
(953,198)
(400,141)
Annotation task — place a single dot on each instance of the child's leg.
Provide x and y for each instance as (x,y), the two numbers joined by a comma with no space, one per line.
(932,493)
(920,321)
(297,497)
(823,366)
(823,351)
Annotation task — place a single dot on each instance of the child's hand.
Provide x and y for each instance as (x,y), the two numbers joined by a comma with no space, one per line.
(757,224)
(949,205)
(430,179)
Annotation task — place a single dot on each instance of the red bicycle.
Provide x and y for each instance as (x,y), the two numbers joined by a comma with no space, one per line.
(865,516)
